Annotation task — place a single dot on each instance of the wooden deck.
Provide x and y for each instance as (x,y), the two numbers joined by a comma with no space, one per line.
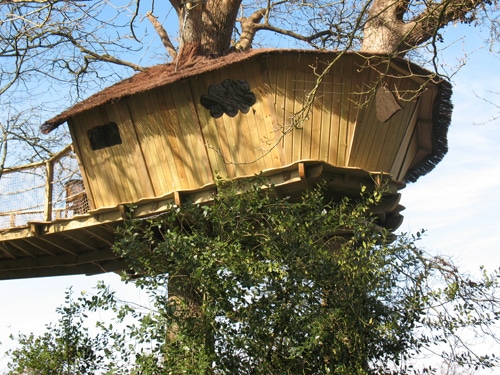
(83,244)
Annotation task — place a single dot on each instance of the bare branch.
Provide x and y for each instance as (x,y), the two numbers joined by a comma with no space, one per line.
(308,39)
(96,56)
(163,35)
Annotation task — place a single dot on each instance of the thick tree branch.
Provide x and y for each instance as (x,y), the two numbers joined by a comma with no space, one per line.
(437,15)
(386,31)
(250,25)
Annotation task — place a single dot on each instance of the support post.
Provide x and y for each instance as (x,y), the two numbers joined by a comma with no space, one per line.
(48,191)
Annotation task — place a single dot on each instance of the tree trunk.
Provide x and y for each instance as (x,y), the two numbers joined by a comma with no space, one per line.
(385,30)
(219,19)
(205,27)
(189,309)
(191,29)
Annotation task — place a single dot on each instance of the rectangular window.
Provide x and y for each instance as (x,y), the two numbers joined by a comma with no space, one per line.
(103,136)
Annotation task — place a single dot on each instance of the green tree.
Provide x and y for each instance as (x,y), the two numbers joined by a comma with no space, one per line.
(255,284)
(66,348)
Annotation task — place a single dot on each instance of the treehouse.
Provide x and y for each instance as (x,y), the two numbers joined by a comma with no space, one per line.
(161,137)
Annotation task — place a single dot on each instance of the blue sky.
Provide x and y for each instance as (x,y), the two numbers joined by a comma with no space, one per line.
(458,202)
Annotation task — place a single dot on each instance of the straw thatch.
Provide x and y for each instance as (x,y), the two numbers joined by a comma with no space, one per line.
(443,109)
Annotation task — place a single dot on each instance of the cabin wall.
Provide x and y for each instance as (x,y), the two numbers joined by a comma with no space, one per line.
(265,137)
(244,144)
(169,141)
(376,144)
(161,148)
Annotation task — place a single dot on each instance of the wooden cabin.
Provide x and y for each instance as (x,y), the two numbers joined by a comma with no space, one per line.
(298,117)
(164,130)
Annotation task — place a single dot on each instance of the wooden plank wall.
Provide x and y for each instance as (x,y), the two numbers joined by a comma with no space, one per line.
(170,142)
(327,132)
(111,175)
(393,146)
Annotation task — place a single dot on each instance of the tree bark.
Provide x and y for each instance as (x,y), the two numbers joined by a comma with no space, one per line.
(205,27)
(386,30)
(191,29)
(218,19)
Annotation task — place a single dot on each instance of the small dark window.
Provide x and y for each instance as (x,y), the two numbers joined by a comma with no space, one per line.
(103,136)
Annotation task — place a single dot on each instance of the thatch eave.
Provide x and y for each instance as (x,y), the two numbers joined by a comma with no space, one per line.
(441,119)
(149,79)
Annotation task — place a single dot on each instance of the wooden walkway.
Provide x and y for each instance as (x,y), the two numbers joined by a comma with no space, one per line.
(82,244)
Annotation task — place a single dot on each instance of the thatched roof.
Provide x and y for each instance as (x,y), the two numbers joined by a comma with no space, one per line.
(153,77)
(165,74)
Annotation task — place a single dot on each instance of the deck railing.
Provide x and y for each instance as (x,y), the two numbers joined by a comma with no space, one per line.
(43,191)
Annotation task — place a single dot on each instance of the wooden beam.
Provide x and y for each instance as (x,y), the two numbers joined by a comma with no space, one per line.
(103,233)
(53,245)
(83,269)
(48,261)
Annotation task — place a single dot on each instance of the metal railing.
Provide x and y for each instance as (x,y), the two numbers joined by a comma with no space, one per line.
(43,191)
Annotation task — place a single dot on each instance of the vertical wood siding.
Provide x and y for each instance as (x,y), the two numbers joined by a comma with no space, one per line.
(171,142)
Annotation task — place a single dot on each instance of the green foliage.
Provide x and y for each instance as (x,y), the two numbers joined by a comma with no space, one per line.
(283,287)
(66,348)
(256,284)
(280,287)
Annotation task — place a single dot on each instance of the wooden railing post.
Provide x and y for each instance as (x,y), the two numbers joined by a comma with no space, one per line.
(48,190)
